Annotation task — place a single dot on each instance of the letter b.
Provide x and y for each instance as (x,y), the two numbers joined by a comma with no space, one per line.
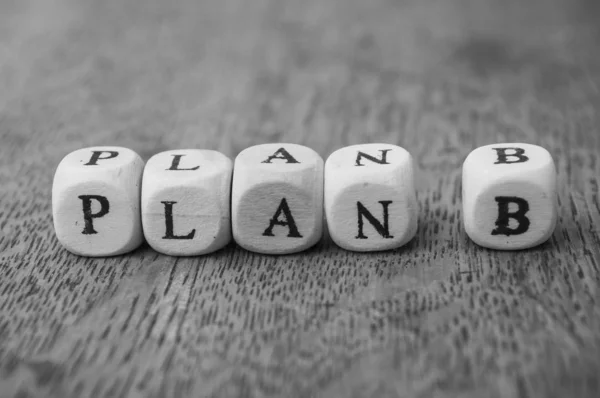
(510,155)
(505,216)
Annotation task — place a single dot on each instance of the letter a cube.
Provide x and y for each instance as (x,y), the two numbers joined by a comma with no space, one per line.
(277,198)
(96,201)
(509,196)
(185,201)
(370,199)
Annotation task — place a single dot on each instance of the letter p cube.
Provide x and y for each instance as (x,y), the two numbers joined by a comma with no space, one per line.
(509,196)
(96,201)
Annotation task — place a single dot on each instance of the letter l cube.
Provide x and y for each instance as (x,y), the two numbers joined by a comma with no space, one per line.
(185,201)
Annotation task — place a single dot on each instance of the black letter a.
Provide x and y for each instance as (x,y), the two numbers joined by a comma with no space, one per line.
(504,216)
(382,230)
(289,221)
(281,153)
(88,217)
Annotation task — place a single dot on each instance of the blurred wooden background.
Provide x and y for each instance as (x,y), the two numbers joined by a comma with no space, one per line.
(438,318)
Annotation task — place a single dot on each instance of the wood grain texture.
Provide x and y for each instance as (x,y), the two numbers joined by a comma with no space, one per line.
(438,318)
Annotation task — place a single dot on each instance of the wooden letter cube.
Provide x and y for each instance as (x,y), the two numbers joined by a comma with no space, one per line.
(370,199)
(509,196)
(277,198)
(96,201)
(185,201)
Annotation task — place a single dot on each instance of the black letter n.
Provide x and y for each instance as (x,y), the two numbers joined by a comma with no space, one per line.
(372,158)
(382,230)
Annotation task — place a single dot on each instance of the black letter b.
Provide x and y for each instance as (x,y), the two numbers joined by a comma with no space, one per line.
(504,216)
(517,156)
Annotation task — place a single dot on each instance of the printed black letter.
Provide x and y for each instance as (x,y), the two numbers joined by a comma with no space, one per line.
(504,216)
(169,224)
(281,153)
(96,156)
(382,230)
(175,163)
(372,158)
(87,211)
(503,156)
(288,221)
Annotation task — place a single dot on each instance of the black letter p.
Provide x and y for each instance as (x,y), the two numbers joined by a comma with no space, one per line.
(97,155)
(88,216)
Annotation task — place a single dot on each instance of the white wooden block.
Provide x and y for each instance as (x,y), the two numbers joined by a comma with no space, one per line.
(96,201)
(370,198)
(277,198)
(186,200)
(509,196)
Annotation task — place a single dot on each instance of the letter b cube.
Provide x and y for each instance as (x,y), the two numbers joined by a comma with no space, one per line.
(509,196)
(96,201)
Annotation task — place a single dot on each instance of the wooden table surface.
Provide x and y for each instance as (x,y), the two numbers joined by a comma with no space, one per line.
(438,318)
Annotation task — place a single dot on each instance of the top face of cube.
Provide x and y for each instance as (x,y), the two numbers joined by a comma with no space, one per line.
(116,165)
(91,160)
(279,158)
(368,158)
(513,160)
(173,166)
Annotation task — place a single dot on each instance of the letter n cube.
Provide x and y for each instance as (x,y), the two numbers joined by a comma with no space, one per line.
(370,199)
(509,196)
(96,201)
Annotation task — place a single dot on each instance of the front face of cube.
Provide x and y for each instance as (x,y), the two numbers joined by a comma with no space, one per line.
(277,198)
(509,196)
(371,217)
(512,215)
(95,201)
(370,200)
(185,202)
(277,218)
